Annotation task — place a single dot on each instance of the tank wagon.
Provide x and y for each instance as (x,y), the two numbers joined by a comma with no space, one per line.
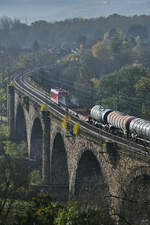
(113,121)
(120,123)
(140,127)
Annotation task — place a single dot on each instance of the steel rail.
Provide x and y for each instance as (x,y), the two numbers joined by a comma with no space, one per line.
(22,85)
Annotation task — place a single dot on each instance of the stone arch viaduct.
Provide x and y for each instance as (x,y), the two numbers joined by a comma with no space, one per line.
(94,168)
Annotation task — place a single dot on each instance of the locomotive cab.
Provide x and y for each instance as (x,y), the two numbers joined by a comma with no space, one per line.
(60,96)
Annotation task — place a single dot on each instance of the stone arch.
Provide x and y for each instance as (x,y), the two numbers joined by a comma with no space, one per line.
(59,164)
(21,129)
(36,142)
(135,198)
(89,182)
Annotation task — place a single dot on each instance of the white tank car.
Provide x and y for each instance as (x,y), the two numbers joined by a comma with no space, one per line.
(140,127)
(98,113)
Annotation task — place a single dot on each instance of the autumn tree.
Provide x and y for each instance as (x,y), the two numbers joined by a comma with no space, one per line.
(142,91)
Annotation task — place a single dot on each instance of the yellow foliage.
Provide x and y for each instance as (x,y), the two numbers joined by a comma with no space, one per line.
(136,65)
(6,78)
(101,50)
(69,118)
(94,80)
(44,108)
(125,42)
(76,128)
(11,83)
(64,124)
(71,57)
(58,61)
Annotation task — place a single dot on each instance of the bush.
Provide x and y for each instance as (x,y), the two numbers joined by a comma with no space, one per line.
(40,211)
(75,215)
(35,177)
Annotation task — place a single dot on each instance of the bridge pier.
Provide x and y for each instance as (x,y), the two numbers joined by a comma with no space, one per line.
(11,110)
(46,148)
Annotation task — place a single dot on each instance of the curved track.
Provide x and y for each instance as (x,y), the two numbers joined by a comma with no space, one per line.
(41,97)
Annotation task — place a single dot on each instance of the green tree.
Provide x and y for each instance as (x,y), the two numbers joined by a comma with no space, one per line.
(16,150)
(84,88)
(138,30)
(116,41)
(40,211)
(35,177)
(74,214)
(118,90)
(92,63)
(141,55)
(102,51)
(2,102)
(142,87)
(14,184)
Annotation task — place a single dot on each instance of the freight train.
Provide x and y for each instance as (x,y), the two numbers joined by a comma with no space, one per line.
(113,121)
(121,124)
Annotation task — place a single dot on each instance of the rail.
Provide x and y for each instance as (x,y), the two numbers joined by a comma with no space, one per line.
(40,97)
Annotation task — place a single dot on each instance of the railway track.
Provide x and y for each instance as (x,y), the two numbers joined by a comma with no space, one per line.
(41,97)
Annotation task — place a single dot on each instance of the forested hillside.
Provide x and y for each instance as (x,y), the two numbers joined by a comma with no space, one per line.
(100,61)
(73,32)
(106,60)
(113,72)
